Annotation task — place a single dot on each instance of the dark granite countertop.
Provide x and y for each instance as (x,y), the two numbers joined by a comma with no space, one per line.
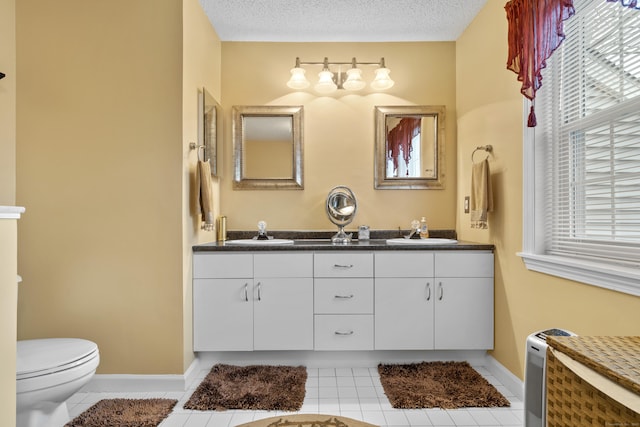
(321,241)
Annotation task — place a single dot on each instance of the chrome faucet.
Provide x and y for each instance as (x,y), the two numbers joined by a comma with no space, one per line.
(415,230)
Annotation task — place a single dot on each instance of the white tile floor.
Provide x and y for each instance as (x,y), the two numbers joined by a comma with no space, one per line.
(351,392)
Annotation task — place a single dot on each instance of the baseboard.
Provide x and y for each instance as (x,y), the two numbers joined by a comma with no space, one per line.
(339,359)
(312,359)
(514,384)
(141,383)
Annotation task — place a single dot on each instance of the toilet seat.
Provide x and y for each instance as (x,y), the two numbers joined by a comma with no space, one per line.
(41,357)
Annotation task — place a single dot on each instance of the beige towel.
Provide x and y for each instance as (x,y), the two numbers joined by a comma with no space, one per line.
(205,198)
(481,195)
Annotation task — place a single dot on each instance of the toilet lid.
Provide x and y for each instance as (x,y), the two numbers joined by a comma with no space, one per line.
(44,356)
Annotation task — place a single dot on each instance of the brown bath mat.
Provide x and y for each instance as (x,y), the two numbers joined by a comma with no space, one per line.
(307,420)
(446,385)
(124,413)
(256,387)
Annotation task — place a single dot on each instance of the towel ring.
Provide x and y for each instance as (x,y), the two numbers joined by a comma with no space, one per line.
(487,148)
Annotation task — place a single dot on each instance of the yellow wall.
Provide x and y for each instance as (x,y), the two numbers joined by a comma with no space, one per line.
(8,228)
(201,68)
(8,103)
(490,112)
(103,168)
(338,133)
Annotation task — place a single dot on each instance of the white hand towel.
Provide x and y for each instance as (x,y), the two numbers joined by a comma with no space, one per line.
(205,196)
(481,194)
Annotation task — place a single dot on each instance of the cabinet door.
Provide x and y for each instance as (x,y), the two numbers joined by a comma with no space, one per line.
(464,314)
(222,314)
(283,314)
(404,313)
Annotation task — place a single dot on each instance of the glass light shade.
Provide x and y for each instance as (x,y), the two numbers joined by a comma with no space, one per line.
(325,83)
(298,80)
(354,80)
(382,80)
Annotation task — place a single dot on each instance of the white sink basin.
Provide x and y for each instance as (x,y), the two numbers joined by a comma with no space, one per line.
(426,242)
(252,242)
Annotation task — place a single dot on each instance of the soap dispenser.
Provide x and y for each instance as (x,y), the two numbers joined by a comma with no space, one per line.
(424,229)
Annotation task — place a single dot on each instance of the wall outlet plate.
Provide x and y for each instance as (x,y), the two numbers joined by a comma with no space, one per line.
(466,204)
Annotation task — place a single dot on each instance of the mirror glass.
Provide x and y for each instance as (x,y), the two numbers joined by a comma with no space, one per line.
(267,144)
(341,208)
(409,147)
(209,127)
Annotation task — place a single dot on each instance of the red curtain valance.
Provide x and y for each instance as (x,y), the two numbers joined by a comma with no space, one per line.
(535,31)
(400,137)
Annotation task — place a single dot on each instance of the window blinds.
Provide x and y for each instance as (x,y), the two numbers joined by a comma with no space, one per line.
(589,119)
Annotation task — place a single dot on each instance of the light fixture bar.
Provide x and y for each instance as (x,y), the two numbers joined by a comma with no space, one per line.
(329,81)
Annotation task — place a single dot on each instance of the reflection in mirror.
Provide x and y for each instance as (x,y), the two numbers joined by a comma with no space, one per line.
(409,147)
(267,144)
(209,127)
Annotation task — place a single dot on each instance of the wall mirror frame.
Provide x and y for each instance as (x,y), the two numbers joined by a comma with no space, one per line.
(268,147)
(415,159)
(210,118)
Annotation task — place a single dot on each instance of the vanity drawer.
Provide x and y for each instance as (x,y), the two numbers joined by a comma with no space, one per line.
(283,265)
(343,264)
(343,332)
(222,266)
(404,264)
(464,264)
(343,296)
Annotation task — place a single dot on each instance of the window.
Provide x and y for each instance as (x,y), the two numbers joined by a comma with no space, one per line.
(582,161)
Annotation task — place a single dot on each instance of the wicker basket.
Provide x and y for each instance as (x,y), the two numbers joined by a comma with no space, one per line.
(574,402)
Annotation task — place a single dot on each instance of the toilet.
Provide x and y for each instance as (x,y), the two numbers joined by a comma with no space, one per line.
(48,372)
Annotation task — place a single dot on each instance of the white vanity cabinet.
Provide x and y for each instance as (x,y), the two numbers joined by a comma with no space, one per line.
(464,300)
(343,300)
(404,303)
(253,301)
(334,300)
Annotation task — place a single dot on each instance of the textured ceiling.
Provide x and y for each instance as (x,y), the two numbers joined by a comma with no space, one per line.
(340,21)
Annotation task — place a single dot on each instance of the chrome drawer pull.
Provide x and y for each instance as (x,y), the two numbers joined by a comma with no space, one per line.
(441,291)
(428,291)
(344,296)
(344,333)
(259,291)
(246,292)
(342,265)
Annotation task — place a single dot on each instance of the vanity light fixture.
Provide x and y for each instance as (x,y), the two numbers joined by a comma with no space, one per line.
(329,81)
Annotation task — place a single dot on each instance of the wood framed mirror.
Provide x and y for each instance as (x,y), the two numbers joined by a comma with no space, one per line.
(409,147)
(268,147)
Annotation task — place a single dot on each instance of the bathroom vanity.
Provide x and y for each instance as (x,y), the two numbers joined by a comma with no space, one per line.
(369,295)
